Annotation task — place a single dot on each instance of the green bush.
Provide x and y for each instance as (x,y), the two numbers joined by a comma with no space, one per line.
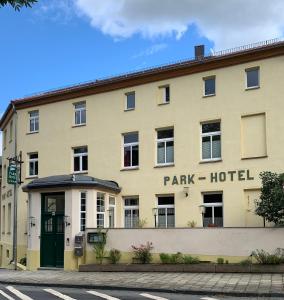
(114,256)
(165,258)
(176,258)
(220,260)
(265,258)
(187,259)
(100,245)
(143,252)
(245,262)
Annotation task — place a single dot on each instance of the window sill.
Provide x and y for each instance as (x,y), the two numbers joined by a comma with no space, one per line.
(32,177)
(129,169)
(252,88)
(80,172)
(254,157)
(32,132)
(210,161)
(210,95)
(78,125)
(129,109)
(164,103)
(164,165)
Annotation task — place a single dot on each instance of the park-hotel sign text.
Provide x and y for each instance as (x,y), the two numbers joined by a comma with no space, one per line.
(237,175)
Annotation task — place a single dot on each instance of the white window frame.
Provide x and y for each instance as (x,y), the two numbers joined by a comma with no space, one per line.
(166,207)
(164,94)
(214,204)
(165,140)
(131,208)
(80,155)
(101,213)
(33,161)
(204,80)
(131,145)
(33,120)
(246,78)
(112,206)
(80,110)
(211,134)
(83,227)
(126,102)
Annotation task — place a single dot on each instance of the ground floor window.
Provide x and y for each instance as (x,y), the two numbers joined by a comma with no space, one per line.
(213,213)
(111,212)
(131,212)
(83,200)
(166,211)
(100,210)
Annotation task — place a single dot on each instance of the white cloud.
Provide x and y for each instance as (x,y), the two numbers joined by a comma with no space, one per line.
(151,50)
(226,22)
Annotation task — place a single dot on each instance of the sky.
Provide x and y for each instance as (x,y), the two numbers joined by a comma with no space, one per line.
(63,42)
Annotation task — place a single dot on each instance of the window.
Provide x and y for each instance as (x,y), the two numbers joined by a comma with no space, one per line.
(33,164)
(11,130)
(131,212)
(80,113)
(166,211)
(130,101)
(252,78)
(164,94)
(34,121)
(211,141)
(80,159)
(213,215)
(9,218)
(100,210)
(83,200)
(131,150)
(209,86)
(165,146)
(111,211)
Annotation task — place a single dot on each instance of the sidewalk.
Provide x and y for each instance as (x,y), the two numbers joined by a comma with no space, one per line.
(192,283)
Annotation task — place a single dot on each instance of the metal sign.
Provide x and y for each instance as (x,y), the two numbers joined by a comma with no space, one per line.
(12,174)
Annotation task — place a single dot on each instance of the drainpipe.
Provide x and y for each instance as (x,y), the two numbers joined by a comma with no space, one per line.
(15,223)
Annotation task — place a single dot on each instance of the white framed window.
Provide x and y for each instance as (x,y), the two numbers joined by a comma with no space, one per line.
(111,212)
(165,146)
(33,164)
(165,94)
(166,211)
(252,78)
(209,86)
(100,210)
(80,159)
(213,214)
(83,211)
(130,150)
(131,212)
(80,113)
(130,101)
(211,141)
(34,121)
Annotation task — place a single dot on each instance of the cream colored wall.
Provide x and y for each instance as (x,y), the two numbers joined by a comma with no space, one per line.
(107,120)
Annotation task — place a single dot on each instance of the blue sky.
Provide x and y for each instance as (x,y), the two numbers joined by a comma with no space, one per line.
(58,43)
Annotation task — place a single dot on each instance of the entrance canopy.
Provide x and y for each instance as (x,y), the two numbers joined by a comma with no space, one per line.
(71,181)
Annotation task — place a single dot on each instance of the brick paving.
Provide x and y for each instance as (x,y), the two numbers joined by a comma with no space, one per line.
(221,283)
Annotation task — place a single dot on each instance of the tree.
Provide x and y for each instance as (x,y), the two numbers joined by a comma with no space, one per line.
(18,4)
(270,206)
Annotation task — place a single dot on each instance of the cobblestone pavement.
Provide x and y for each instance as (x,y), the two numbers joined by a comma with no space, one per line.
(213,283)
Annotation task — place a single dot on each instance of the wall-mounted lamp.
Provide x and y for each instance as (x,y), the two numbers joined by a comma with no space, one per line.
(155,213)
(67,221)
(32,221)
(186,191)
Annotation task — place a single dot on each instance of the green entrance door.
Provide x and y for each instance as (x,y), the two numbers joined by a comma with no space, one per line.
(52,230)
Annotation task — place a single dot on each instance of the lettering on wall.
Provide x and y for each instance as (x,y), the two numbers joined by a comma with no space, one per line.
(7,195)
(214,177)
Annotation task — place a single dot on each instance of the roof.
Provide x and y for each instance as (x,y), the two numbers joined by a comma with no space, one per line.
(67,181)
(230,57)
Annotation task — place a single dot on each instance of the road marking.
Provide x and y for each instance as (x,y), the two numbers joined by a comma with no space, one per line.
(18,293)
(208,298)
(6,295)
(104,296)
(152,297)
(57,294)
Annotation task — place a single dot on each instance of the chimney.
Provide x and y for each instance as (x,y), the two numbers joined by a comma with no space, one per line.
(199,52)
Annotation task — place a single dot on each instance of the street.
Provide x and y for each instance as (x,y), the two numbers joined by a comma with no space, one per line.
(43,293)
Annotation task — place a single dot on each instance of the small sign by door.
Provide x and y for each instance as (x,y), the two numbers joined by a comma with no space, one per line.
(12,174)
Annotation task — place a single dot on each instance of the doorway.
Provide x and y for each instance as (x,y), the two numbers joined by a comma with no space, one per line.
(52,230)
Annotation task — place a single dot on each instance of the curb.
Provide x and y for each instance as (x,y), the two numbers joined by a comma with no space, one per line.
(154,290)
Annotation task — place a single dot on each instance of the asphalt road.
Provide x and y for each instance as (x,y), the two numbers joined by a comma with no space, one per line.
(43,293)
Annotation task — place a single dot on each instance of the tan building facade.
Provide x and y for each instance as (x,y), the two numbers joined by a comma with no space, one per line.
(177,146)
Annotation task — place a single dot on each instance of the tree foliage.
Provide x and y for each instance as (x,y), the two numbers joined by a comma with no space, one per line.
(270,206)
(18,4)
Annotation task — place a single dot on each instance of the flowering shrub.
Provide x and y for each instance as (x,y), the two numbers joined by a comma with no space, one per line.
(143,252)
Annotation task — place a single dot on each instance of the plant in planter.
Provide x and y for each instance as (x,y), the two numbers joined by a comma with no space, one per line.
(265,258)
(143,252)
(142,223)
(188,259)
(220,260)
(191,224)
(114,256)
(176,258)
(100,245)
(245,262)
(165,258)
